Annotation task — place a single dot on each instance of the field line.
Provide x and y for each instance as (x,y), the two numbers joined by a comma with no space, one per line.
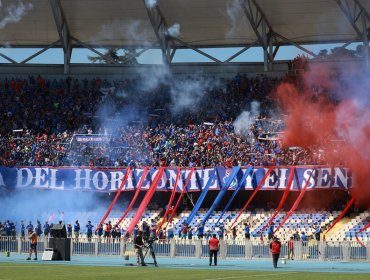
(250,276)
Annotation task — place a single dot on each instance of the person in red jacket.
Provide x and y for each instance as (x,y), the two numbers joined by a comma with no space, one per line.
(275,247)
(213,249)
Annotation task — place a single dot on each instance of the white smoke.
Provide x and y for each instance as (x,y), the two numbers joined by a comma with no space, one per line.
(246,119)
(232,9)
(13,13)
(52,206)
(187,94)
(136,32)
(150,3)
(174,30)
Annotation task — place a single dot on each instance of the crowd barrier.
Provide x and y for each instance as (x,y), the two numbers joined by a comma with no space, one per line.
(309,251)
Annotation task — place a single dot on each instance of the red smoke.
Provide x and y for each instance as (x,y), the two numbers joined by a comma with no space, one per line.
(338,131)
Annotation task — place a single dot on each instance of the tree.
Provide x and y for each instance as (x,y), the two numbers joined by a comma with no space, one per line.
(111,56)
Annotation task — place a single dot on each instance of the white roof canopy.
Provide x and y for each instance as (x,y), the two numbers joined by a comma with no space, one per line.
(201,23)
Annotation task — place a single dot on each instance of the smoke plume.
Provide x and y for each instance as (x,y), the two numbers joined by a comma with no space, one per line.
(13,13)
(174,30)
(150,3)
(247,118)
(330,113)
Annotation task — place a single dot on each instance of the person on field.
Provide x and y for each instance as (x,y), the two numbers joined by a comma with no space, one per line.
(275,247)
(291,248)
(214,246)
(32,236)
(139,244)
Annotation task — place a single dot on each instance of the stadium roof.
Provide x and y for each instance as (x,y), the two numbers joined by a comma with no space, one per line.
(171,24)
(201,22)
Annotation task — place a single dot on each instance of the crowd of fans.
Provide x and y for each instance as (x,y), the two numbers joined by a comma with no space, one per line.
(39,118)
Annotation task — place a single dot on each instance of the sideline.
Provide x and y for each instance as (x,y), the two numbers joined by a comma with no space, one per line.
(250,276)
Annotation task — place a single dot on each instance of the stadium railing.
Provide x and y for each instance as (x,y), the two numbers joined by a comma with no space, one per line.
(348,251)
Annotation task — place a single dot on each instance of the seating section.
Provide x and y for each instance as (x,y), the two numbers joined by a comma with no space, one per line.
(354,226)
(300,221)
(303,221)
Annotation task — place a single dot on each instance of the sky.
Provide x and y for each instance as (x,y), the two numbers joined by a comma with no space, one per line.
(153,56)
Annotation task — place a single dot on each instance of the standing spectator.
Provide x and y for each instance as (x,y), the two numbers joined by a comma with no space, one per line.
(69,231)
(76,230)
(291,248)
(46,229)
(246,231)
(270,231)
(184,231)
(135,232)
(214,245)
(190,233)
(296,236)
(317,232)
(146,230)
(114,234)
(23,230)
(275,247)
(161,236)
(170,233)
(29,226)
(89,227)
(118,233)
(8,228)
(208,234)
(100,231)
(304,238)
(200,230)
(33,244)
(221,232)
(234,233)
(38,228)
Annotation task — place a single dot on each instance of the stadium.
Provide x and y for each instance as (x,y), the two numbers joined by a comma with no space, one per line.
(172,133)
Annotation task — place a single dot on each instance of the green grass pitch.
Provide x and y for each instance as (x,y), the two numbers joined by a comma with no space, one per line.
(33,271)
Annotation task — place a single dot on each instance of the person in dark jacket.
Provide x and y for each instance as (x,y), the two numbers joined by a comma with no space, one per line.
(275,247)
(139,244)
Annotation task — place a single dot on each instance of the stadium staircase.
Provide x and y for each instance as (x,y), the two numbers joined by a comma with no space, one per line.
(339,228)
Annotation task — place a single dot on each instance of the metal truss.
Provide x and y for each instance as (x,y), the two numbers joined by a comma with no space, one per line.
(266,36)
(8,58)
(160,28)
(359,18)
(40,52)
(261,27)
(63,30)
(167,42)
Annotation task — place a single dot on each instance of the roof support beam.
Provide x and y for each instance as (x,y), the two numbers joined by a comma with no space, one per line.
(160,28)
(241,51)
(196,50)
(63,30)
(261,27)
(39,52)
(93,50)
(295,44)
(359,19)
(8,58)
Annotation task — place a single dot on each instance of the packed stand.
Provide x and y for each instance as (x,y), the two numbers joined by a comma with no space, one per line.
(39,118)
